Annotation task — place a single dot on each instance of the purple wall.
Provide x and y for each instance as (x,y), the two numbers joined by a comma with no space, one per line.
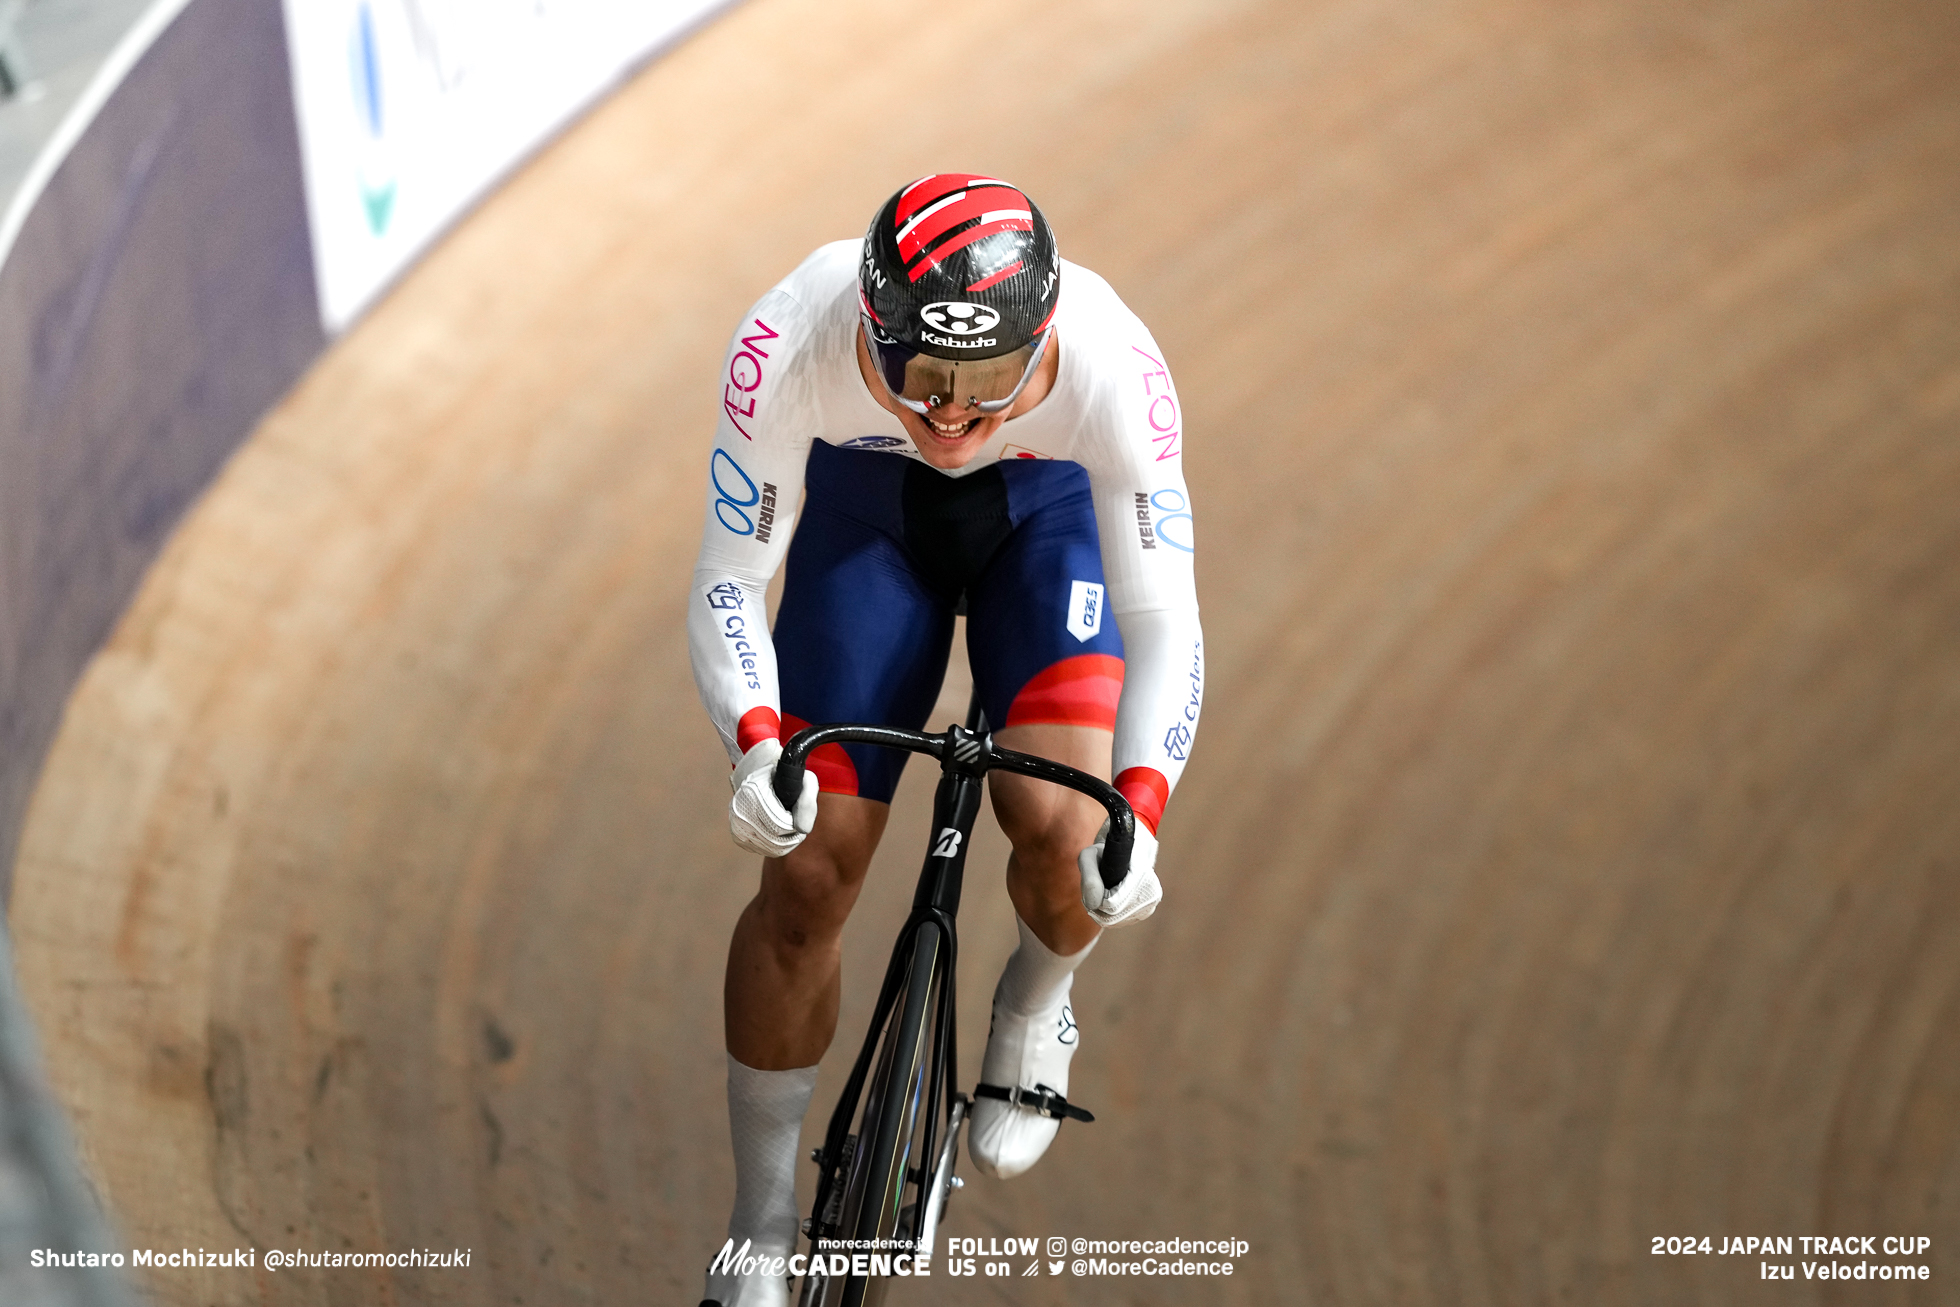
(158,300)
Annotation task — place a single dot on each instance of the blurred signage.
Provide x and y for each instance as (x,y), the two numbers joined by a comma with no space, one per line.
(409,110)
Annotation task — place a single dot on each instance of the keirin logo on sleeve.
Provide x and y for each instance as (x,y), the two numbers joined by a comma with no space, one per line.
(1085,609)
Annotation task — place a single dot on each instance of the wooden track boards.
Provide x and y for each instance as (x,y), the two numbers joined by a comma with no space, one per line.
(1572,851)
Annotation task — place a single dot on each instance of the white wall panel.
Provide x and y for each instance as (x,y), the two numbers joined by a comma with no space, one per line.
(410,109)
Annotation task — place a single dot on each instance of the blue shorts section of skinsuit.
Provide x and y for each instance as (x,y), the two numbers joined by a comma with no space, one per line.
(883,550)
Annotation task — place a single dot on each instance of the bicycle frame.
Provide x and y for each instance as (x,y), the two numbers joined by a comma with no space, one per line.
(966,755)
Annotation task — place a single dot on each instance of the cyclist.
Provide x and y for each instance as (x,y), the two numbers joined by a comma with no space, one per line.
(971,424)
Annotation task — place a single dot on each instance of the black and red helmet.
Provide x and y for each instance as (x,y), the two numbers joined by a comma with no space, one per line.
(958,266)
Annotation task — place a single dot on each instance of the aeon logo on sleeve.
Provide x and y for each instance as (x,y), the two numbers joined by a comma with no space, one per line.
(959,318)
(745,375)
(1085,610)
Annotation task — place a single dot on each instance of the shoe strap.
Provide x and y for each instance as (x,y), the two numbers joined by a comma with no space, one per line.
(1041,1099)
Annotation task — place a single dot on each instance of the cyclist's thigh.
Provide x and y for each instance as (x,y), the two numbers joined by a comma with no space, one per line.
(1047,658)
(1043,647)
(859,636)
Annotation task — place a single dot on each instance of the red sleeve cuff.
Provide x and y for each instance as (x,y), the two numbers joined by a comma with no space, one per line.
(757,725)
(1147,791)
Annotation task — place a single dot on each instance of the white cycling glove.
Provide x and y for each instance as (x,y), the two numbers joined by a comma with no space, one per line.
(1136,896)
(756,817)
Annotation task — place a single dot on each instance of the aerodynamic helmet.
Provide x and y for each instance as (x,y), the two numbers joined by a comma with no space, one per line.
(958,286)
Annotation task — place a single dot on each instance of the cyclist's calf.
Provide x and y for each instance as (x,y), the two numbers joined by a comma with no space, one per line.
(781,996)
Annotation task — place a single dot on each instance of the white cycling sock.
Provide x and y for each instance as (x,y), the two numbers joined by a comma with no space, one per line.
(765,1117)
(1036,977)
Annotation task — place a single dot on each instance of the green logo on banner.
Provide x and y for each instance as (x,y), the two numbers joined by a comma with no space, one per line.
(380,203)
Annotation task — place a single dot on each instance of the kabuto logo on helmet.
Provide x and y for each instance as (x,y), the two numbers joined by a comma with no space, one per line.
(960,317)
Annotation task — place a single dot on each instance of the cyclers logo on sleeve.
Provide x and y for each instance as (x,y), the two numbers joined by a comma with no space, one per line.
(736,493)
(727,597)
(741,651)
(1177,740)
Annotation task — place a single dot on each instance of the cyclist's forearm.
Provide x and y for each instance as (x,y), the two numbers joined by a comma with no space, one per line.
(1163,691)
(734,658)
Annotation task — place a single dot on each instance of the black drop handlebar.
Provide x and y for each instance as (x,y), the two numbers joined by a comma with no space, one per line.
(960,750)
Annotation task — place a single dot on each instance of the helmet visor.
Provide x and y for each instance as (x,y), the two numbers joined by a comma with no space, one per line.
(921,382)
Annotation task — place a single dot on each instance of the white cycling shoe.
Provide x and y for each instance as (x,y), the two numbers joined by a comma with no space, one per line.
(1021,1101)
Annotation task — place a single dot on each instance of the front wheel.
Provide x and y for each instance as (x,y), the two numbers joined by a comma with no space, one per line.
(874,1217)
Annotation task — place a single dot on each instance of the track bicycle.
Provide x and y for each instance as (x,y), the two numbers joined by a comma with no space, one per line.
(885,1171)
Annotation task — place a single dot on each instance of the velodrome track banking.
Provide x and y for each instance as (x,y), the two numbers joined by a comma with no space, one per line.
(1571,851)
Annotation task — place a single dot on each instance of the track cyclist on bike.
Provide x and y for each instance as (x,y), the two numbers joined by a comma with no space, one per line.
(972,424)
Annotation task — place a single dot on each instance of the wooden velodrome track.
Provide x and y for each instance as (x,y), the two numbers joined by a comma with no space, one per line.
(1572,852)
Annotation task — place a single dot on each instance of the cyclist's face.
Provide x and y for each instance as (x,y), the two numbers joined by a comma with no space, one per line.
(950,435)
